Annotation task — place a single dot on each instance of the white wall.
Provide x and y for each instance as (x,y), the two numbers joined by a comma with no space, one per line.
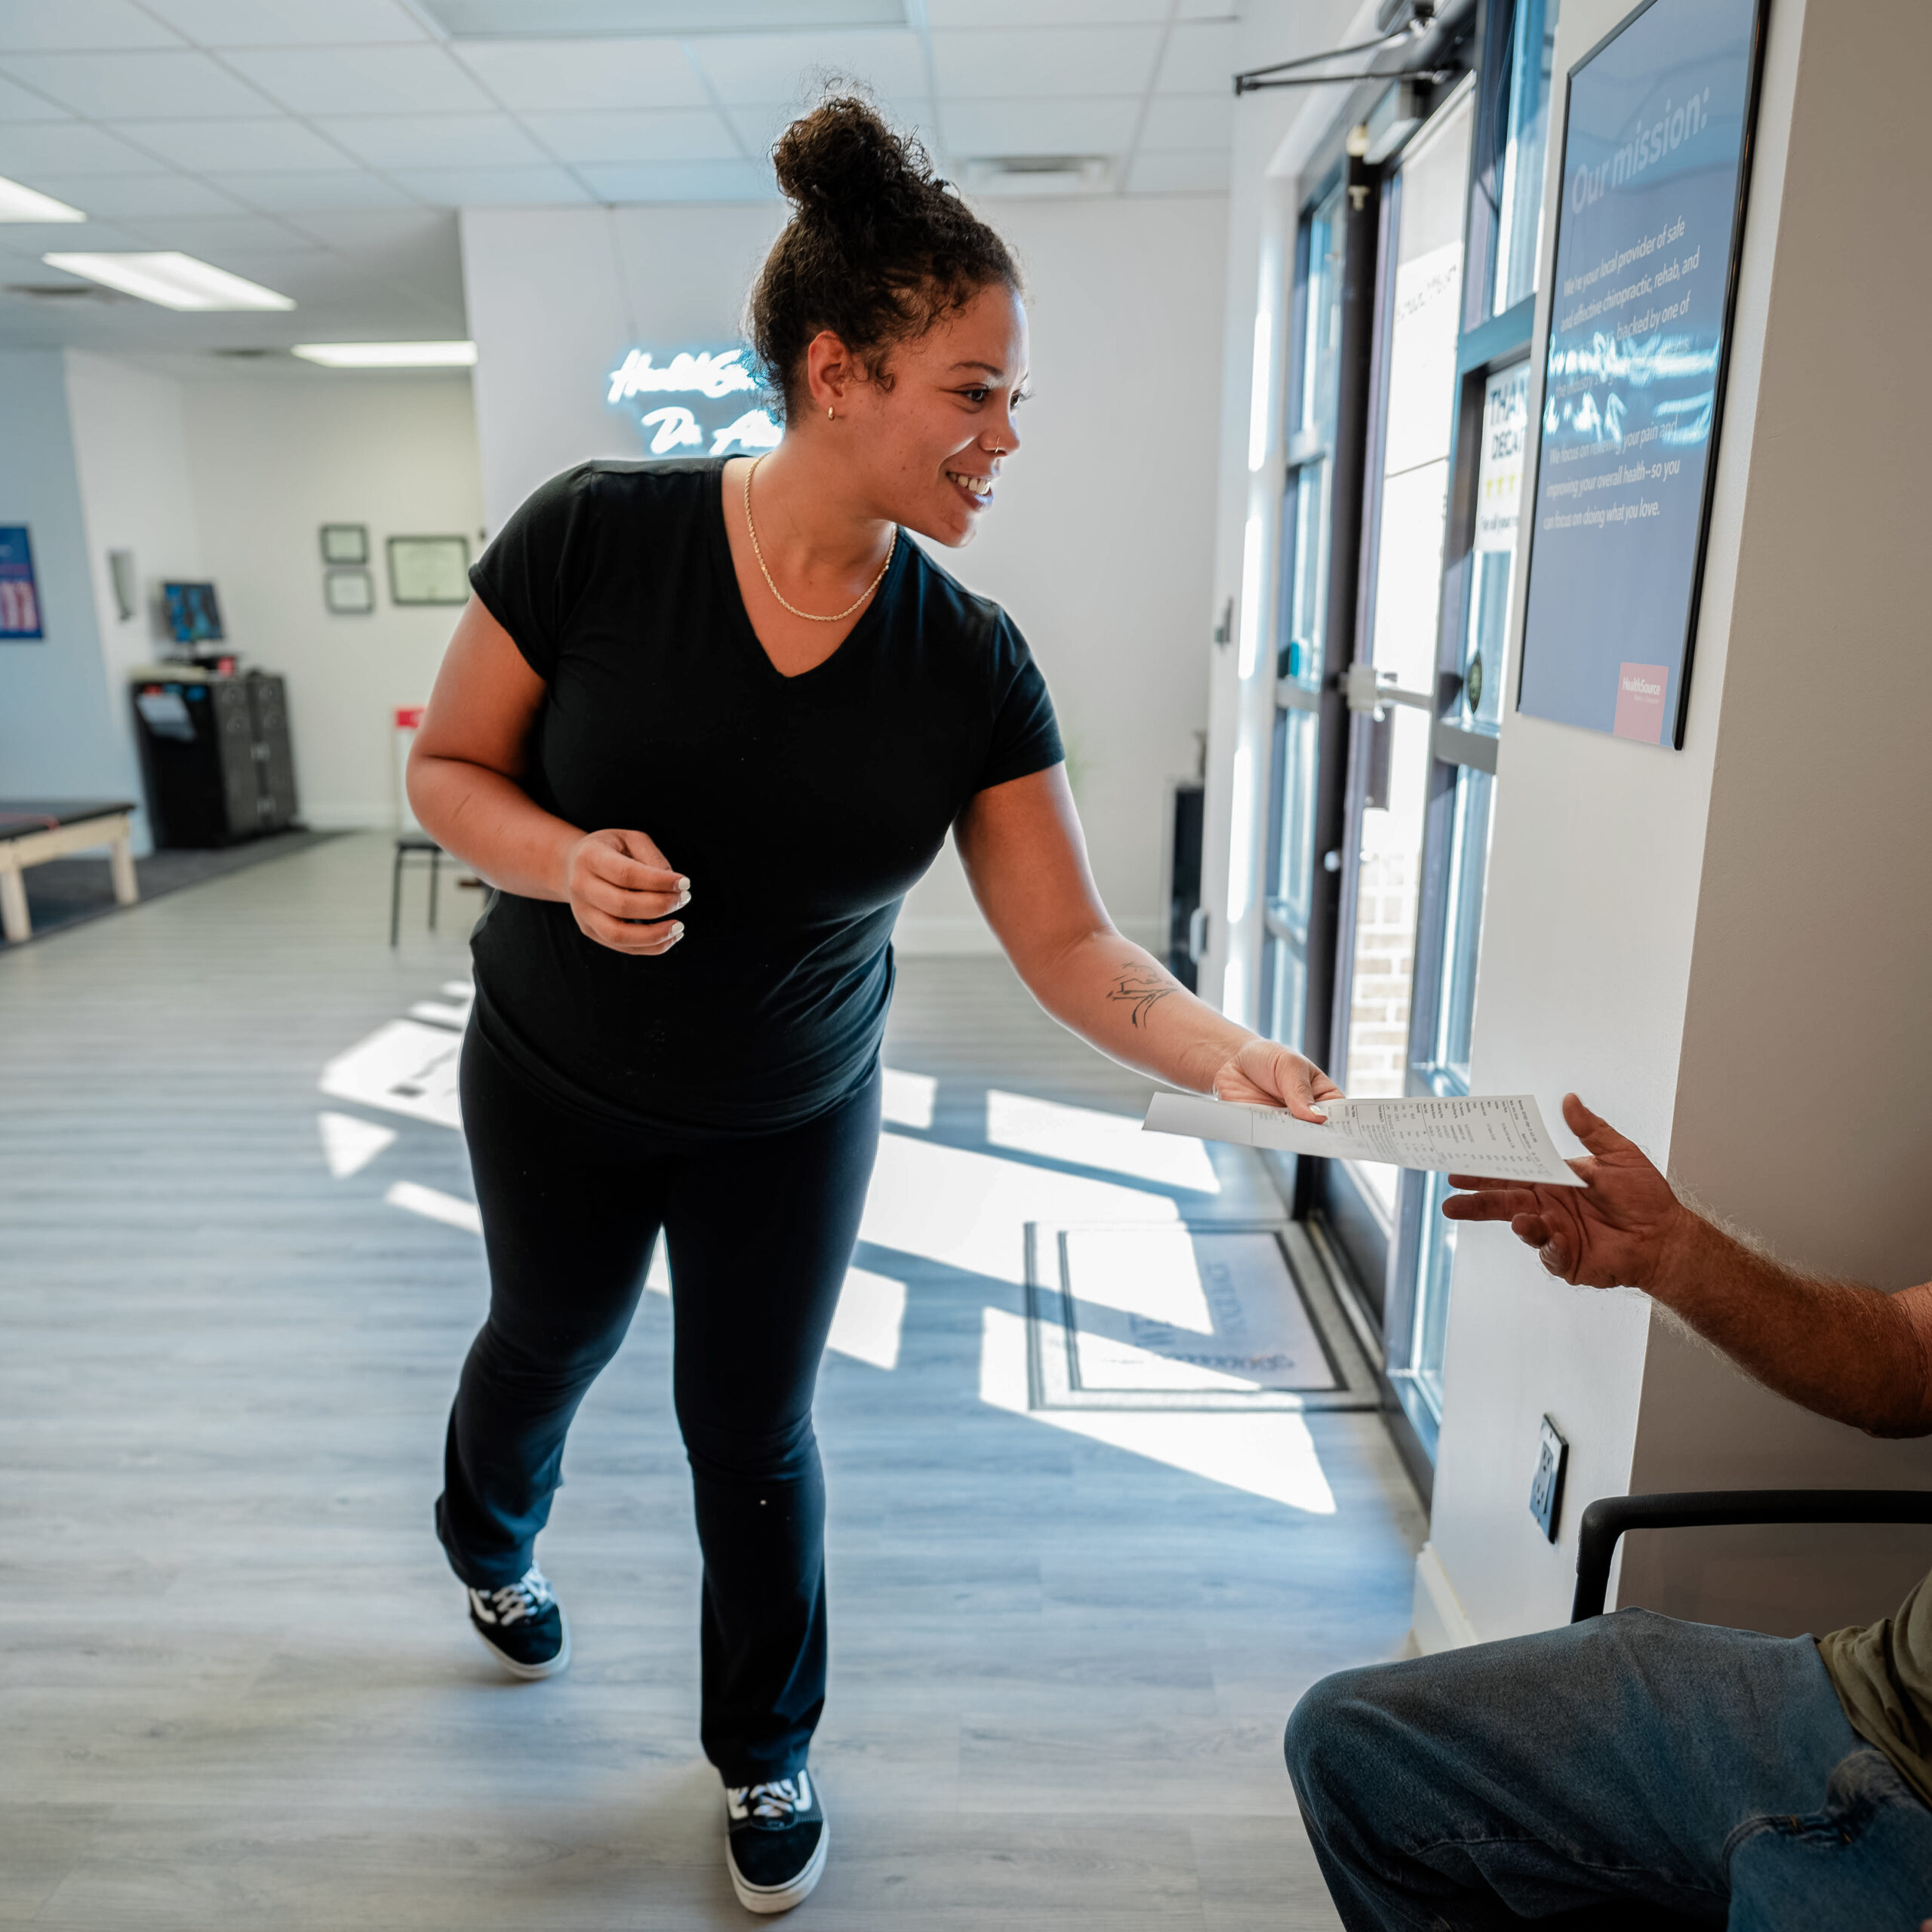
(1721,948)
(1101,546)
(273,458)
(131,451)
(60,733)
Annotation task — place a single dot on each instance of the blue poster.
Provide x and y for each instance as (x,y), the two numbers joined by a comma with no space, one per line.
(1656,160)
(19,596)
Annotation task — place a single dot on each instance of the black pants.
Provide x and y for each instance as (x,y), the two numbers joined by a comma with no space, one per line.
(761,1229)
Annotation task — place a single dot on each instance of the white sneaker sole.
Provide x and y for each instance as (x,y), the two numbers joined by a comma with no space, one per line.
(780,1898)
(529,1672)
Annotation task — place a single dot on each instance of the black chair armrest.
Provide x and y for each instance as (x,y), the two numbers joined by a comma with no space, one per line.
(1607,1519)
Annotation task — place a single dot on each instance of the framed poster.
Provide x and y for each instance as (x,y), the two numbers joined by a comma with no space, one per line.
(348,593)
(19,595)
(429,570)
(344,542)
(1657,161)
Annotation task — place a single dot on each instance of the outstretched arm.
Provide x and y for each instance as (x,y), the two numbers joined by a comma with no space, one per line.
(1024,854)
(1842,1351)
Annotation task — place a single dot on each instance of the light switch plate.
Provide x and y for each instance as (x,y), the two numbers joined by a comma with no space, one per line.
(1546,1487)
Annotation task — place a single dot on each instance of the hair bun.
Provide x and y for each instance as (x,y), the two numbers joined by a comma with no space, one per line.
(842,162)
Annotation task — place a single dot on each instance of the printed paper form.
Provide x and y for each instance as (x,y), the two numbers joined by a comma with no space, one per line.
(1500,1137)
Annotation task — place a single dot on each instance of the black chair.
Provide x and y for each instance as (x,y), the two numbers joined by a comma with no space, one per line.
(413,845)
(1607,1519)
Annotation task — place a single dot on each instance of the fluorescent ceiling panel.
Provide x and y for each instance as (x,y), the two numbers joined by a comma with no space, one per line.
(170,281)
(389,355)
(551,19)
(20,204)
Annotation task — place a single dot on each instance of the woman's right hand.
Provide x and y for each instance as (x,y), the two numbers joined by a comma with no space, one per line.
(614,879)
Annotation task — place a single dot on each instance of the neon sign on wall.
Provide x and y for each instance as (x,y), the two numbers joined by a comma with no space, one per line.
(711,418)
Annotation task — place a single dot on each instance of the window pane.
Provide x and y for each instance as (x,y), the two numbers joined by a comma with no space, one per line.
(1468,866)
(1321,321)
(1408,578)
(1519,224)
(1284,990)
(1432,1318)
(1304,578)
(1489,619)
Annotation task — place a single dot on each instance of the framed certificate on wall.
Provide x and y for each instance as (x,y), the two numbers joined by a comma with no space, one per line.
(1657,161)
(429,570)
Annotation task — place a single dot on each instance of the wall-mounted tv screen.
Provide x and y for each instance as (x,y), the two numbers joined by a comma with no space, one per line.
(193,615)
(1656,156)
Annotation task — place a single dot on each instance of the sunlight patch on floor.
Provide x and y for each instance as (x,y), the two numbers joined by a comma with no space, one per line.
(433,1204)
(349,1145)
(1086,1137)
(969,1210)
(908,1098)
(1270,1454)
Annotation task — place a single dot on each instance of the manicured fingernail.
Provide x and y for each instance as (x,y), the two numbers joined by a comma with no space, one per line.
(683,885)
(677,932)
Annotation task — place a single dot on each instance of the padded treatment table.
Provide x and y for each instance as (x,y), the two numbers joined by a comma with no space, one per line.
(32,829)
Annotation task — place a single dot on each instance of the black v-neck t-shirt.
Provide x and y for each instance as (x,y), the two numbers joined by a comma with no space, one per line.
(802,809)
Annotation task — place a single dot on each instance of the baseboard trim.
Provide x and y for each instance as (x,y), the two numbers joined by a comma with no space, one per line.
(1438,1620)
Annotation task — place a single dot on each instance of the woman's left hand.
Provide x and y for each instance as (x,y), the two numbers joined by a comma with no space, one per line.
(1265,1074)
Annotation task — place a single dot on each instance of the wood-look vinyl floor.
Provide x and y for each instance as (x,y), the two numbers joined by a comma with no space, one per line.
(236,1687)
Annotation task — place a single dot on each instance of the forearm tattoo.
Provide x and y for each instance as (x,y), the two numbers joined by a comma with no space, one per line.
(1143,990)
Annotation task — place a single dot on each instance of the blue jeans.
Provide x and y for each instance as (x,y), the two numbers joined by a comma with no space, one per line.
(1632,1771)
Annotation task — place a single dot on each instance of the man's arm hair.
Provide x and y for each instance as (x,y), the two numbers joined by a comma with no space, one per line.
(1843,1351)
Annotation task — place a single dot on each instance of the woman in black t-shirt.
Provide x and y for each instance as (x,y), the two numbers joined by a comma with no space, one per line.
(703,726)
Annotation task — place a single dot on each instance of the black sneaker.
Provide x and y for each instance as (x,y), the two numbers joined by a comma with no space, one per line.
(523,1624)
(774,1844)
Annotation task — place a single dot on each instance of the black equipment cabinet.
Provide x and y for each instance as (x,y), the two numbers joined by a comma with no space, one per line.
(215,755)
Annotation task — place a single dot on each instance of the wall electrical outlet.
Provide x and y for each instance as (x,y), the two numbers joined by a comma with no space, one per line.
(1546,1486)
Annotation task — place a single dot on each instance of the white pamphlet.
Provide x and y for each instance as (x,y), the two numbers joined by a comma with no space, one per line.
(1500,1137)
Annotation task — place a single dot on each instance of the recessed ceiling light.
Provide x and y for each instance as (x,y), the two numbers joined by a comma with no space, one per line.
(173,282)
(20,204)
(552,20)
(389,355)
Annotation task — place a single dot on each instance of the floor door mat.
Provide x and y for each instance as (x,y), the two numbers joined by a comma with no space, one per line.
(1188,1316)
(69,892)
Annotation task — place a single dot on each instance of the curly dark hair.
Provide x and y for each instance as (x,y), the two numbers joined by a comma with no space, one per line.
(877,249)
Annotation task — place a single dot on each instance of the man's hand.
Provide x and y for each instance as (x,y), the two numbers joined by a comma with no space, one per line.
(1264,1074)
(1620,1229)
(621,891)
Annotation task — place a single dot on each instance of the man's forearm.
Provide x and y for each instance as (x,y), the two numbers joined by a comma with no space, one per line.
(1845,1352)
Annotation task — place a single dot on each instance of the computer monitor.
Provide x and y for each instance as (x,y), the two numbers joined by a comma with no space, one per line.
(193,613)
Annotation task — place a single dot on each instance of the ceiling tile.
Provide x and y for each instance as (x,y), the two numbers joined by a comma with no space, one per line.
(17,104)
(43,238)
(1206,10)
(436,140)
(1189,121)
(491,187)
(760,126)
(129,86)
(683,181)
(1202,172)
(1046,12)
(313,189)
(201,147)
(64,147)
(746,68)
(384,235)
(1201,59)
(362,80)
(133,197)
(670,134)
(976,127)
(1036,62)
(78,26)
(561,75)
(218,237)
(289,23)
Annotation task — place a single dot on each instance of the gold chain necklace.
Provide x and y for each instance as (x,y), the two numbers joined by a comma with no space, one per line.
(810,616)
